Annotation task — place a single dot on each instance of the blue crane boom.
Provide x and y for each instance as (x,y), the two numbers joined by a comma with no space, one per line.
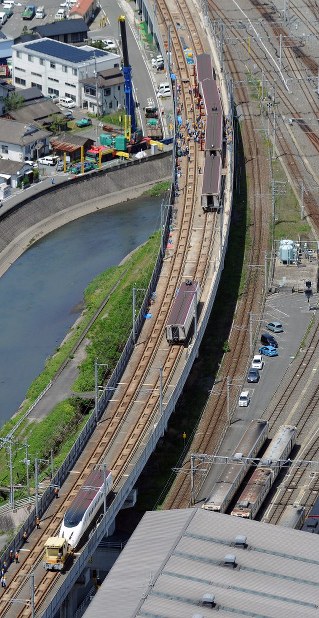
(127,72)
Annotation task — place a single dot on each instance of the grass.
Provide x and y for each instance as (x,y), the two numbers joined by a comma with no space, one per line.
(159,188)
(288,223)
(58,431)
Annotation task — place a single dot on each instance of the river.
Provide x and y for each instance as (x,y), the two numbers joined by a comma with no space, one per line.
(42,292)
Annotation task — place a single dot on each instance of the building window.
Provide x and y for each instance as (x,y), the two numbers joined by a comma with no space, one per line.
(74,71)
(70,85)
(19,69)
(53,91)
(36,74)
(35,85)
(64,68)
(4,149)
(90,91)
(41,61)
(51,79)
(18,54)
(30,58)
(71,96)
(110,104)
(107,92)
(52,65)
(20,81)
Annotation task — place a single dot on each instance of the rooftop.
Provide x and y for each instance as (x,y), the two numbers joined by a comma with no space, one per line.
(36,112)
(109,77)
(176,560)
(13,132)
(81,7)
(64,26)
(63,51)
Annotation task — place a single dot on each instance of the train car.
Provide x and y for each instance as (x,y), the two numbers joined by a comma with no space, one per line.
(182,313)
(85,506)
(204,67)
(224,490)
(292,517)
(312,522)
(212,181)
(265,474)
(56,553)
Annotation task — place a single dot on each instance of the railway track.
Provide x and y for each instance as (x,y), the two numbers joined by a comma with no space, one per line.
(214,418)
(127,420)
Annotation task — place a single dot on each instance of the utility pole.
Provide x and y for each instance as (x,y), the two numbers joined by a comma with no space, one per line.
(36,482)
(27,463)
(96,389)
(280,51)
(32,595)
(228,398)
(250,332)
(104,488)
(302,205)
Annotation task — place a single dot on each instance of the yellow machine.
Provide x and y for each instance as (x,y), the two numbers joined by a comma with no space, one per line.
(56,552)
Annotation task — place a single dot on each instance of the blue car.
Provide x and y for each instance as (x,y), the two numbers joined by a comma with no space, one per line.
(268,350)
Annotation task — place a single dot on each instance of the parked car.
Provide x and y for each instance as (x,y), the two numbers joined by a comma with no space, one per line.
(84,122)
(54,98)
(29,12)
(68,114)
(48,160)
(31,163)
(244,399)
(268,350)
(109,44)
(253,375)
(257,362)
(76,168)
(60,14)
(66,102)
(8,9)
(267,339)
(60,166)
(275,327)
(40,12)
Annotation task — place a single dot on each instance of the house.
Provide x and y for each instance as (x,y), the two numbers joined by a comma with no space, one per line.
(71,144)
(84,9)
(58,68)
(5,91)
(110,92)
(41,112)
(19,141)
(12,172)
(66,31)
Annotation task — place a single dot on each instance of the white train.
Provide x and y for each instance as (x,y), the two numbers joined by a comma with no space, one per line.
(85,506)
(224,490)
(266,472)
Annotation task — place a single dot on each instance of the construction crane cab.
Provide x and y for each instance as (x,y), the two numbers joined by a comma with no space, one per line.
(56,552)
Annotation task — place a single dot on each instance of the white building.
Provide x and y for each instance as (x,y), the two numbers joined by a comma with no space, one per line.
(19,141)
(58,68)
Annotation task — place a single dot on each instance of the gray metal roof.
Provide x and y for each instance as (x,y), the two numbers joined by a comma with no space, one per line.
(64,26)
(64,51)
(36,112)
(13,132)
(176,557)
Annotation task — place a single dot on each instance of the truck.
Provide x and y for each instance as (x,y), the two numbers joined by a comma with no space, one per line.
(29,12)
(56,552)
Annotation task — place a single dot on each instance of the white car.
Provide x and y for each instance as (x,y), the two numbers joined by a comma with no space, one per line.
(244,399)
(49,160)
(257,362)
(158,61)
(109,44)
(31,163)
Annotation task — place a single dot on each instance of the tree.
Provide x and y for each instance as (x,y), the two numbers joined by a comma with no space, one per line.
(58,121)
(97,44)
(13,101)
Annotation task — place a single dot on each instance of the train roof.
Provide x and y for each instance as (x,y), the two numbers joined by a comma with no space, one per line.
(212,175)
(251,492)
(182,303)
(204,67)
(251,436)
(312,522)
(278,445)
(86,495)
(211,96)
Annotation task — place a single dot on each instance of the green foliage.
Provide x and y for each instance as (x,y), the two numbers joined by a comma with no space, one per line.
(159,188)
(117,118)
(98,44)
(12,102)
(58,121)
(226,347)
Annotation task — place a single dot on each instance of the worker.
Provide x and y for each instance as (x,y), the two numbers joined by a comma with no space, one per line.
(16,557)
(24,537)
(56,492)
(11,555)
(37,522)
(3,581)
(4,566)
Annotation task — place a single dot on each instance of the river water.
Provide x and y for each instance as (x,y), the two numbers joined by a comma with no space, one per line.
(41,294)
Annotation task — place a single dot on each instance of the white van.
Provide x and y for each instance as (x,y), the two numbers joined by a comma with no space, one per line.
(61,14)
(3,18)
(66,102)
(164,90)
(49,160)
(40,14)
(244,399)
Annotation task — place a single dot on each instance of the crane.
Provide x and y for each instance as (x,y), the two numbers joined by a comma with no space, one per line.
(128,86)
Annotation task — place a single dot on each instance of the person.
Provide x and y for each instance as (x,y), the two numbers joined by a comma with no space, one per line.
(52,181)
(4,566)
(56,492)
(3,581)
(11,555)
(16,556)
(24,537)
(37,522)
